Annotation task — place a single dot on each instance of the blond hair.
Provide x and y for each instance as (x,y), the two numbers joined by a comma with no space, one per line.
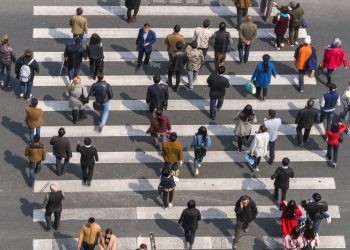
(5,39)
(75,82)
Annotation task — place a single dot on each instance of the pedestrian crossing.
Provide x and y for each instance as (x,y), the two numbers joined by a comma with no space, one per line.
(121,185)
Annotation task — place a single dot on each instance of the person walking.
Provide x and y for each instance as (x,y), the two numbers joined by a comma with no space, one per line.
(25,68)
(203,35)
(172,39)
(346,105)
(243,126)
(132,5)
(79,25)
(177,63)
(103,93)
(333,57)
(310,238)
(73,57)
(242,7)
(107,241)
(157,95)
(328,103)
(262,76)
(217,84)
(34,119)
(167,187)
(333,138)
(222,45)
(172,151)
(94,50)
(301,56)
(246,212)
(87,160)
(266,9)
(258,148)
(7,58)
(189,221)
(290,216)
(89,235)
(144,42)
(78,97)
(281,177)
(200,143)
(273,125)
(195,60)
(247,34)
(53,205)
(61,150)
(160,124)
(305,119)
(281,21)
(36,153)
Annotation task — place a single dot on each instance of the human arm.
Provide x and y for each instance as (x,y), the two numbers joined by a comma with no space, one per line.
(96,155)
(275,174)
(26,152)
(85,26)
(343,59)
(68,149)
(181,217)
(148,96)
(273,70)
(255,73)
(81,237)
(46,200)
(43,153)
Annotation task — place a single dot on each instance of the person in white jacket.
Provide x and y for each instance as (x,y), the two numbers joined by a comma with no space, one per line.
(259,145)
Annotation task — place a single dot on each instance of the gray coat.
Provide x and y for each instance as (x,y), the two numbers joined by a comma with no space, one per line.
(74,97)
(243,128)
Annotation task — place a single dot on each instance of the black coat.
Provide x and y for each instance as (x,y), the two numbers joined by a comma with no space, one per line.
(54,201)
(102,91)
(282,176)
(167,182)
(189,218)
(88,155)
(217,85)
(74,55)
(34,66)
(246,214)
(157,96)
(178,60)
(307,117)
(61,147)
(132,4)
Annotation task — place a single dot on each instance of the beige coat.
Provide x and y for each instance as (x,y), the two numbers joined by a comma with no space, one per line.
(34,118)
(74,97)
(171,41)
(259,145)
(243,128)
(112,244)
(78,24)
(202,36)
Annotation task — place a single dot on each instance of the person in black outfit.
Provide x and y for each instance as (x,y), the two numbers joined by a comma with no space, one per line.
(177,63)
(217,84)
(306,118)
(246,212)
(222,45)
(189,221)
(61,149)
(94,50)
(53,205)
(73,57)
(87,160)
(167,186)
(157,95)
(281,177)
(132,5)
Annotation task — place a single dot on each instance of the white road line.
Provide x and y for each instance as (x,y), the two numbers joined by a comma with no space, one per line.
(175,243)
(145,10)
(202,184)
(151,213)
(118,33)
(128,105)
(211,157)
(162,56)
(146,80)
(182,130)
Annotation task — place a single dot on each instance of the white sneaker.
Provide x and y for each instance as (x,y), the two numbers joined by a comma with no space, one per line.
(21,95)
(196,172)
(257,170)
(199,165)
(166,209)
(278,48)
(329,220)
(296,43)
(282,45)
(170,204)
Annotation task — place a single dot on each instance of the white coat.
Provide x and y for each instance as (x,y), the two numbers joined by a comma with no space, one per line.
(259,145)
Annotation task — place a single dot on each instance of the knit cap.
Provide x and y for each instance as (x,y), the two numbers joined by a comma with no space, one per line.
(337,42)
(307,40)
(293,4)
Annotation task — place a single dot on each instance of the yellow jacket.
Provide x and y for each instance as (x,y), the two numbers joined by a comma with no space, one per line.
(89,233)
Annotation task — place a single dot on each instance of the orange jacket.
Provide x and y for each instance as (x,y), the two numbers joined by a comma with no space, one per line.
(303,53)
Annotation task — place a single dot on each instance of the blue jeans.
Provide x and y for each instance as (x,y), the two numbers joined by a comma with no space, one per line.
(104,114)
(8,72)
(213,101)
(197,160)
(23,86)
(192,76)
(190,234)
(32,132)
(329,116)
(243,47)
(34,167)
(73,72)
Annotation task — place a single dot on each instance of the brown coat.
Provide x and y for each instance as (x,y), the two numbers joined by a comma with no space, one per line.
(112,243)
(34,118)
(36,152)
(78,24)
(243,4)
(171,41)
(89,233)
(172,152)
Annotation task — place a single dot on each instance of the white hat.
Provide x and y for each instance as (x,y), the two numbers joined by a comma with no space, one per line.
(307,40)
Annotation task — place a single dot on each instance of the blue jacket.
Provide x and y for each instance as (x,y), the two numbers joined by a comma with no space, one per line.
(151,39)
(197,141)
(261,78)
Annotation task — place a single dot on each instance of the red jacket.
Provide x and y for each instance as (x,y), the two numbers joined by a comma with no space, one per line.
(333,138)
(160,125)
(289,224)
(334,57)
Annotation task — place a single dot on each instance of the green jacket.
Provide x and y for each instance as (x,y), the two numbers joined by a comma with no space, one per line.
(296,14)
(248,31)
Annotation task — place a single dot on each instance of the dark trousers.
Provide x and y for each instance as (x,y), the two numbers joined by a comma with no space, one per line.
(220,58)
(301,138)
(240,225)
(329,116)
(333,148)
(73,72)
(301,79)
(256,161)
(6,67)
(140,57)
(136,10)
(329,76)
(279,40)
(240,14)
(87,172)
(57,218)
(95,67)
(170,77)
(87,246)
(293,32)
(258,92)
(168,198)
(205,51)
(190,234)
(213,101)
(284,193)
(272,146)
(240,141)
(266,8)
(243,56)
(59,167)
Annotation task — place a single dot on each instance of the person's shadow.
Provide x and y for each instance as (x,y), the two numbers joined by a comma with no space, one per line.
(65,241)
(15,127)
(144,184)
(19,163)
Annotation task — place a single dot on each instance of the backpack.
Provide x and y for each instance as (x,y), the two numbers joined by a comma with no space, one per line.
(24,73)
(311,63)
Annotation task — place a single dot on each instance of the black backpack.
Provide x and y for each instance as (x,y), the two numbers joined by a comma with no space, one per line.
(308,246)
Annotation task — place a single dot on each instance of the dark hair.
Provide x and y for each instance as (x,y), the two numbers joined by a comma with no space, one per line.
(309,233)
(317,197)
(165,172)
(222,26)
(108,231)
(245,197)
(77,41)
(284,9)
(335,127)
(95,39)
(143,246)
(61,132)
(34,103)
(91,220)
(194,46)
(36,138)
(332,87)
(295,233)
(79,11)
(221,70)
(203,131)
(262,128)
(177,28)
(247,113)
(290,210)
(191,204)
(310,103)
(156,78)
(272,113)
(266,59)
(173,136)
(146,25)
(206,23)
(285,161)
(100,77)
(179,45)
(87,141)
(28,53)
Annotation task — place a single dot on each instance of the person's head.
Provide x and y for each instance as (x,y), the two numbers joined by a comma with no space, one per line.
(95,39)
(248,110)
(79,11)
(4,39)
(310,103)
(28,53)
(336,43)
(165,172)
(262,129)
(191,204)
(285,161)
(295,233)
(146,27)
(222,26)
(177,28)
(245,199)
(173,136)
(143,247)
(54,187)
(76,80)
(206,23)
(77,41)
(194,46)
(34,102)
(202,131)
(272,113)
(100,77)
(266,58)
(317,197)
(335,127)
(156,78)
(179,45)
(293,4)
(221,70)
(36,138)
(291,205)
(284,9)
(87,141)
(61,132)
(108,233)
(333,87)
(307,40)
(248,18)
(91,220)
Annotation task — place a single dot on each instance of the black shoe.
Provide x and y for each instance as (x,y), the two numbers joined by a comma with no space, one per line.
(88,183)
(175,89)
(55,227)
(94,78)
(37,170)
(48,228)
(158,147)
(212,118)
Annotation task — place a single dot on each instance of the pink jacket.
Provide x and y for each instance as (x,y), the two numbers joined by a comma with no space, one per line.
(112,244)
(291,244)
(334,57)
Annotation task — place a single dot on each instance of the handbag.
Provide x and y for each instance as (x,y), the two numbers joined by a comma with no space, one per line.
(321,66)
(84,100)
(249,159)
(97,105)
(160,189)
(303,23)
(250,87)
(200,151)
